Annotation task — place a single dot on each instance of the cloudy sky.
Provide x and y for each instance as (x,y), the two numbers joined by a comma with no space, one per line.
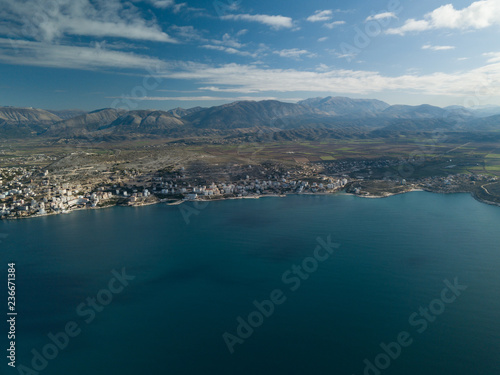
(89,54)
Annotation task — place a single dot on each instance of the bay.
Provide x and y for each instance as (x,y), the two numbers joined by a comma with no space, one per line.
(194,278)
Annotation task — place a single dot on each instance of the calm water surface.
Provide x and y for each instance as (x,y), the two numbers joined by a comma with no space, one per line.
(192,282)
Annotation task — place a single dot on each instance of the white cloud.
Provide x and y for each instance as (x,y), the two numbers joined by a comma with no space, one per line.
(437,48)
(164,4)
(225,89)
(276,22)
(323,39)
(206,98)
(256,79)
(186,33)
(253,79)
(189,33)
(229,41)
(345,55)
(334,24)
(323,68)
(341,55)
(117,30)
(409,26)
(494,57)
(381,16)
(413,71)
(229,45)
(230,50)
(478,15)
(321,16)
(294,53)
(32,20)
(22,52)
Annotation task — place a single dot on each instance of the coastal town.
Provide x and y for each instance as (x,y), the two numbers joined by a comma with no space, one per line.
(37,191)
(32,192)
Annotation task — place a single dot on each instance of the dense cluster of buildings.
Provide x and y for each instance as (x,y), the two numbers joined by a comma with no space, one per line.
(26,192)
(250,187)
(33,191)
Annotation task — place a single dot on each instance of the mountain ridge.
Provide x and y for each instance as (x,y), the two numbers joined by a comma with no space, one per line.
(339,115)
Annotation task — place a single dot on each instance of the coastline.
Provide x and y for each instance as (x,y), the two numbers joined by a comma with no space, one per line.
(61,213)
(179,202)
(481,200)
(387,195)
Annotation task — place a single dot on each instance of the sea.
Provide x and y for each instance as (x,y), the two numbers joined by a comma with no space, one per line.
(331,284)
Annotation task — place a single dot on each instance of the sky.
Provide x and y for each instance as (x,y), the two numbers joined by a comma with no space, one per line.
(162,54)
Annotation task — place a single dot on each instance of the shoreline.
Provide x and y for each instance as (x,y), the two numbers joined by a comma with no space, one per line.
(481,200)
(387,195)
(179,202)
(62,213)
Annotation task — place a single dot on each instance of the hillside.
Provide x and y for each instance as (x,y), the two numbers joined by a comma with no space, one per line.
(88,122)
(424,111)
(247,114)
(19,122)
(66,114)
(491,123)
(341,106)
(182,112)
(333,117)
(16,116)
(145,122)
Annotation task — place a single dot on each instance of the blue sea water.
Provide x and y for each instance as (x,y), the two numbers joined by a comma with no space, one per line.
(195,278)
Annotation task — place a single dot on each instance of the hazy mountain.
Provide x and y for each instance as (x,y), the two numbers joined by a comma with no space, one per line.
(478,111)
(145,122)
(342,106)
(247,114)
(407,126)
(335,117)
(414,112)
(182,112)
(491,123)
(85,123)
(19,122)
(18,116)
(486,111)
(459,111)
(66,114)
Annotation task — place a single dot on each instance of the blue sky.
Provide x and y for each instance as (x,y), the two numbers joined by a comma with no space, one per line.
(137,54)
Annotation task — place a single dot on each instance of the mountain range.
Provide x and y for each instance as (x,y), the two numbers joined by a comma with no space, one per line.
(330,116)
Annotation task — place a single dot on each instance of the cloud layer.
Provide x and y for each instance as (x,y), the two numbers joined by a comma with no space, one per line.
(50,21)
(251,79)
(66,56)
